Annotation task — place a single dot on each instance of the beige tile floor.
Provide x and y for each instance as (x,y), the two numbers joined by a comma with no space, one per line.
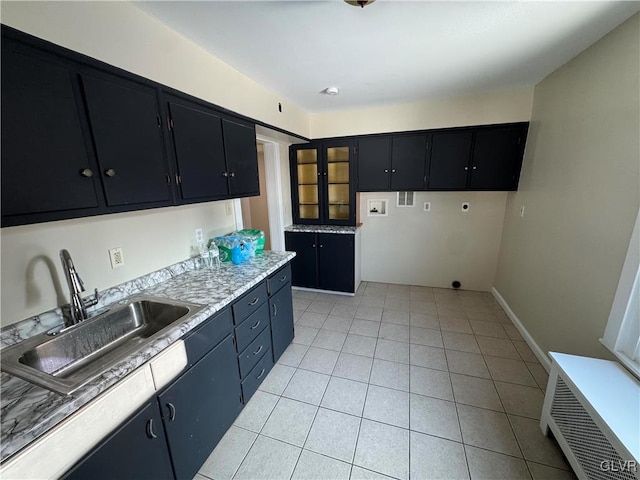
(397,382)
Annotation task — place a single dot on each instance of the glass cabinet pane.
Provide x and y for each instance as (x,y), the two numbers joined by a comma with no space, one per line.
(308,199)
(338,183)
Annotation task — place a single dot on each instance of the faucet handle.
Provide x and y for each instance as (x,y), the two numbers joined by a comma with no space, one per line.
(92,300)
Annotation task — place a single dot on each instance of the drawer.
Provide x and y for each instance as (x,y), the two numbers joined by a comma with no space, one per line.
(255,377)
(279,279)
(207,335)
(251,327)
(249,302)
(250,356)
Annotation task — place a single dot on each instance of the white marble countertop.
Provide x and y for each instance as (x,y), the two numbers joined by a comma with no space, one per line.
(341,229)
(27,411)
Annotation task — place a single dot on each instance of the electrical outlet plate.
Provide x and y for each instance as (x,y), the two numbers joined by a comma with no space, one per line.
(427,206)
(227,208)
(465,207)
(117,257)
(199,237)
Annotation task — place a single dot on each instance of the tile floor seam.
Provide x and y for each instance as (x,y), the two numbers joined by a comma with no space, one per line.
(235,472)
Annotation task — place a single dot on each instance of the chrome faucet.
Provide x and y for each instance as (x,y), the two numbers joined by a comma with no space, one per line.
(77,304)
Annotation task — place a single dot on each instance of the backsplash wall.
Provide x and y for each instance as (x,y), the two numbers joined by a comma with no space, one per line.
(32,277)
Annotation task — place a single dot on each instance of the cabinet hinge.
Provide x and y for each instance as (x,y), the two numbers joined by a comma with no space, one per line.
(519,140)
(355,150)
(159,121)
(428,145)
(233,339)
(241,399)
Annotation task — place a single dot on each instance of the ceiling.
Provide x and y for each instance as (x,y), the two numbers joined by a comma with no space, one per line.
(391,51)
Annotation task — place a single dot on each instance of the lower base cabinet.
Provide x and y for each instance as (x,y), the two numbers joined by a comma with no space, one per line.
(323,260)
(136,450)
(199,407)
(173,435)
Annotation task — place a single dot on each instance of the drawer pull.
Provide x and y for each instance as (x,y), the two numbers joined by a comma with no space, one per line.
(259,350)
(275,310)
(256,325)
(254,301)
(283,278)
(261,374)
(172,411)
(150,433)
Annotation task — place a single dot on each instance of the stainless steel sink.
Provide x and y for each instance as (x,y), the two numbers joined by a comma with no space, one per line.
(65,361)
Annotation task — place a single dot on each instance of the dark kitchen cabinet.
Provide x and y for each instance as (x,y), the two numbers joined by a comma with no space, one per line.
(46,148)
(281,318)
(323,183)
(137,449)
(215,157)
(449,165)
(497,158)
(199,407)
(126,128)
(480,158)
(374,164)
(323,260)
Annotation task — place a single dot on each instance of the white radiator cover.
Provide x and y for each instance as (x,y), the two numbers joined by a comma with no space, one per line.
(592,407)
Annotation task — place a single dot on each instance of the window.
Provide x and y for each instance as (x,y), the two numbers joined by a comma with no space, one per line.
(622,334)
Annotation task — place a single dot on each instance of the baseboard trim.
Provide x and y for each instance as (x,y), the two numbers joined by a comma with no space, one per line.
(544,359)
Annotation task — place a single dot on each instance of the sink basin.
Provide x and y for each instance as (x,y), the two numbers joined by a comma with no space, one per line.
(65,361)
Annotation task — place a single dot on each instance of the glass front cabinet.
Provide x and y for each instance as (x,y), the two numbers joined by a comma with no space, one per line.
(322,188)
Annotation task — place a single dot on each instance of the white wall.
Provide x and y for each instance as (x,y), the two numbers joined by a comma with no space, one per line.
(502,107)
(32,277)
(560,264)
(120,34)
(434,248)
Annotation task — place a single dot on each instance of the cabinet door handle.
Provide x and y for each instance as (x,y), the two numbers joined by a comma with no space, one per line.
(110,172)
(275,310)
(256,325)
(283,278)
(158,121)
(225,174)
(261,374)
(232,174)
(474,167)
(466,168)
(259,350)
(86,172)
(254,301)
(321,246)
(386,170)
(314,245)
(172,411)
(150,433)
(393,170)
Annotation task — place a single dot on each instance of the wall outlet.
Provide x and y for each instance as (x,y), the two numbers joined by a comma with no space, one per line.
(117,257)
(465,206)
(199,236)
(522,210)
(227,208)
(427,206)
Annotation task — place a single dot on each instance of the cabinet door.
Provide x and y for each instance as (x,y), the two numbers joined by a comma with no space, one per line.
(126,129)
(497,157)
(137,449)
(305,184)
(338,183)
(304,265)
(44,150)
(281,314)
(199,151)
(408,162)
(336,256)
(199,407)
(450,155)
(374,158)
(242,159)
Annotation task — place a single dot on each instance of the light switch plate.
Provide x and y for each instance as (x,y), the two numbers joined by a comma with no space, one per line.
(199,237)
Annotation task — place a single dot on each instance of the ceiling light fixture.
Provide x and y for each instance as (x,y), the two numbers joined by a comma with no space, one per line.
(359,3)
(332,91)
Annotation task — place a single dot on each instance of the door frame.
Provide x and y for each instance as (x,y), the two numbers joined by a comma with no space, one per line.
(273,173)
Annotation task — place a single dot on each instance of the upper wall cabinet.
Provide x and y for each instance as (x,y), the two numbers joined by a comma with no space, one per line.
(323,188)
(467,158)
(82,138)
(127,133)
(392,163)
(46,150)
(215,157)
(481,158)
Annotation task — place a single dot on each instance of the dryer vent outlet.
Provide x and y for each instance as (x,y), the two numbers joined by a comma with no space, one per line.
(456,284)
